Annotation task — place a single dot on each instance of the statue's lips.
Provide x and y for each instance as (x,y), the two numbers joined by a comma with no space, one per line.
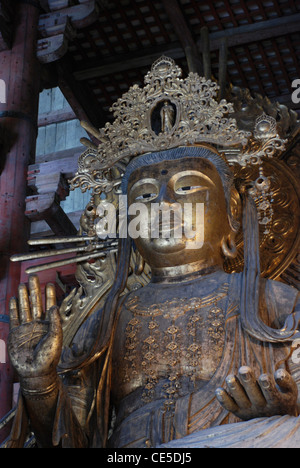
(175,225)
(172,228)
(169,228)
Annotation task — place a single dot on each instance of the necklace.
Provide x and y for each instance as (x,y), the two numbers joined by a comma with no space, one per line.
(176,306)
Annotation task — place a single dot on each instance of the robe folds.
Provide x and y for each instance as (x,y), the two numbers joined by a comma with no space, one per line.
(83,409)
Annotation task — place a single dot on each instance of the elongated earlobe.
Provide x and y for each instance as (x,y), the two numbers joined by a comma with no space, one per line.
(139,264)
(235,210)
(229,247)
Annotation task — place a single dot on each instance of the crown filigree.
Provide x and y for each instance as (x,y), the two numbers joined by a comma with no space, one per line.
(169,112)
(166,113)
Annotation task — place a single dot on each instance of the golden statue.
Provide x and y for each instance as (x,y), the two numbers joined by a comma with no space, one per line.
(188,344)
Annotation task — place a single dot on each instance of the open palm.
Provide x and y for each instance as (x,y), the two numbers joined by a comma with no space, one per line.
(35,338)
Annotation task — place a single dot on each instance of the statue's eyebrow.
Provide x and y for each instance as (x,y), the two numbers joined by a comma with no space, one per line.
(143,181)
(198,173)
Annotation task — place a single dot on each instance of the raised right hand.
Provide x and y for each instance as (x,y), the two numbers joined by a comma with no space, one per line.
(35,337)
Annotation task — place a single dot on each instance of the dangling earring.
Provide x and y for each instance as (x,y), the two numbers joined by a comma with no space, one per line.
(228,247)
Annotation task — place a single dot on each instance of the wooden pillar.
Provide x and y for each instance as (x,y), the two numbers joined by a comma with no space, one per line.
(19,70)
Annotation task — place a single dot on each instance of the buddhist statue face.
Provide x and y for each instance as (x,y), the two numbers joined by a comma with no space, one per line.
(199,224)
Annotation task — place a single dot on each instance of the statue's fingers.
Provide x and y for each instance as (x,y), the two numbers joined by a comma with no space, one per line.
(226,401)
(237,392)
(268,387)
(36,297)
(286,383)
(50,297)
(251,387)
(13,313)
(55,323)
(24,305)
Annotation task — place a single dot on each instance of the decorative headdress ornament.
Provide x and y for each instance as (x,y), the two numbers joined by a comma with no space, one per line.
(169,112)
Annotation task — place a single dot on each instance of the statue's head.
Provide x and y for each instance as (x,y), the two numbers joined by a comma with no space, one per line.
(194,189)
(170,112)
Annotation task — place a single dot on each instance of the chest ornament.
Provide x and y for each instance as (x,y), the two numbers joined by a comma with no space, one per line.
(172,340)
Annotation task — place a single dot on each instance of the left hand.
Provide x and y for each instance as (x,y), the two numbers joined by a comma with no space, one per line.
(248,398)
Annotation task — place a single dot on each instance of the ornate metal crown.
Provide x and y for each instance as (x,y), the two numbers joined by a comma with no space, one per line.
(166,113)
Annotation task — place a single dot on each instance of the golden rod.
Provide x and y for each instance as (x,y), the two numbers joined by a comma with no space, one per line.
(82,258)
(90,129)
(60,240)
(48,253)
(53,253)
(88,143)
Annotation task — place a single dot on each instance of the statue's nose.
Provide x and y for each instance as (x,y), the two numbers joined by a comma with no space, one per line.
(166,194)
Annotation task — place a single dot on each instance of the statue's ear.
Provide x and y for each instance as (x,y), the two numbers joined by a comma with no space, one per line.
(228,246)
(235,210)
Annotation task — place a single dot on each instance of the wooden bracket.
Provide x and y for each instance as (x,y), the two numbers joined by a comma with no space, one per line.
(59,26)
(52,49)
(46,207)
(53,25)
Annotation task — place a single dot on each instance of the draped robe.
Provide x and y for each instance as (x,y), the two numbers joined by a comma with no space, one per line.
(83,414)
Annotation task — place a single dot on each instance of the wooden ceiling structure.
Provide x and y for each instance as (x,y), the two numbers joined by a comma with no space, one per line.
(96,49)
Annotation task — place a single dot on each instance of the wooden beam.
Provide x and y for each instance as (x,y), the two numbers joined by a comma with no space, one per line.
(58,4)
(206,55)
(130,61)
(64,165)
(46,207)
(80,96)
(255,32)
(67,158)
(61,115)
(223,60)
(41,228)
(183,32)
(49,183)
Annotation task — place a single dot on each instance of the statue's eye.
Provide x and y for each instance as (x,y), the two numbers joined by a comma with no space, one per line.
(146,196)
(185,189)
(188,188)
(144,191)
(191,183)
